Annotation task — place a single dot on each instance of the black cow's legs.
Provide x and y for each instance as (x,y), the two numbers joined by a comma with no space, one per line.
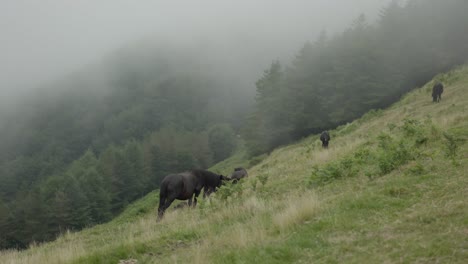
(195,197)
(166,205)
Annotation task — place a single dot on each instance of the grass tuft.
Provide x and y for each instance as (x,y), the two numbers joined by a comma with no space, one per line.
(299,210)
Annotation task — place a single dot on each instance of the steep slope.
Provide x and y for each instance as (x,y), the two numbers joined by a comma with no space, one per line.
(391,188)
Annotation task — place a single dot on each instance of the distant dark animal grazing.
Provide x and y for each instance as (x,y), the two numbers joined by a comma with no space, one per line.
(238,174)
(325,137)
(185,186)
(437,91)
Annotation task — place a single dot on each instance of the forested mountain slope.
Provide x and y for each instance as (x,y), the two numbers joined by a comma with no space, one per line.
(76,153)
(338,78)
(391,188)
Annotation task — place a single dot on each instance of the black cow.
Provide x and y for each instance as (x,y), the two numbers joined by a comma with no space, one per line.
(325,137)
(185,186)
(437,91)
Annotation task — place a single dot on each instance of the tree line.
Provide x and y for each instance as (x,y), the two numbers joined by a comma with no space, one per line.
(368,66)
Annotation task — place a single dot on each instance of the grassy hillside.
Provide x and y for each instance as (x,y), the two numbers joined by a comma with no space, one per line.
(391,188)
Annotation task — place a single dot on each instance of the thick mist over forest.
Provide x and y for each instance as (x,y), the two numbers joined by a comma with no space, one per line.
(43,41)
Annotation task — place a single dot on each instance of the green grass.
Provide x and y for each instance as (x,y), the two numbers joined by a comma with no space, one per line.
(390,189)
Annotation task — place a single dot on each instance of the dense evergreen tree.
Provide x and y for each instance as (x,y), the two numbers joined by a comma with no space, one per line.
(4,224)
(222,141)
(270,124)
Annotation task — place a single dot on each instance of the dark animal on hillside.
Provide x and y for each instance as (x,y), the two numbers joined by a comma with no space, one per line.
(185,186)
(238,174)
(437,91)
(325,137)
(208,190)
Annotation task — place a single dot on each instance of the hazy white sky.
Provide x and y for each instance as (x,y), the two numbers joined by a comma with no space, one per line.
(41,40)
